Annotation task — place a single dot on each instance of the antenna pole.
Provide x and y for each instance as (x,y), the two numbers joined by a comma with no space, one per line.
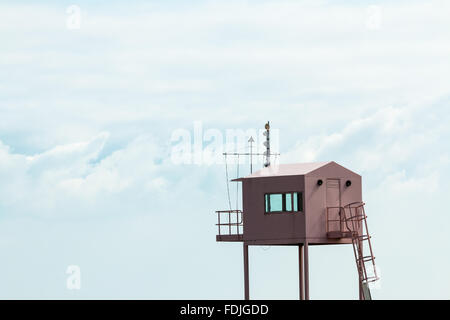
(251,153)
(267,144)
(266,154)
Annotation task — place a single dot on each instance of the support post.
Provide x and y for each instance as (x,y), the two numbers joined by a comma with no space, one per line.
(301,271)
(246,281)
(360,266)
(306,271)
(360,289)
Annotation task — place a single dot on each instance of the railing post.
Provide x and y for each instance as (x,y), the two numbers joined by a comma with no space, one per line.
(218,215)
(234,228)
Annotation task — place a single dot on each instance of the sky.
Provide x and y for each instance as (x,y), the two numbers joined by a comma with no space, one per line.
(93,98)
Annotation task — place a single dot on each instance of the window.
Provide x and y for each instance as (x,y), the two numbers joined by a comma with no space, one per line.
(288,201)
(275,202)
(298,201)
(283,202)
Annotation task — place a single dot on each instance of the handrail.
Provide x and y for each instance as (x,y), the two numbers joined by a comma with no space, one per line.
(360,235)
(356,218)
(230,212)
(239,221)
(356,202)
(342,216)
(341,219)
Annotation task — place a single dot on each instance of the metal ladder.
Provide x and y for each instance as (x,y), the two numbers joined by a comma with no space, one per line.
(355,220)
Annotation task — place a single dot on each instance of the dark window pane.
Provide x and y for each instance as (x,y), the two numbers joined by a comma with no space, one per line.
(300,201)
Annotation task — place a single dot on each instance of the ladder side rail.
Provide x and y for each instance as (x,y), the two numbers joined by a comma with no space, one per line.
(360,234)
(365,236)
(357,243)
(363,264)
(358,264)
(370,244)
(356,246)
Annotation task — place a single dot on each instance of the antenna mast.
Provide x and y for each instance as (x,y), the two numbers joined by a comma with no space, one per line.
(266,154)
(251,153)
(267,144)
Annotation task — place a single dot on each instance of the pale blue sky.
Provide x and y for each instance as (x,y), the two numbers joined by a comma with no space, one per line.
(86,118)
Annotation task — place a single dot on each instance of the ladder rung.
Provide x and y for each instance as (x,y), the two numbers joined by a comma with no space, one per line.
(358,221)
(363,237)
(371,279)
(356,218)
(366,259)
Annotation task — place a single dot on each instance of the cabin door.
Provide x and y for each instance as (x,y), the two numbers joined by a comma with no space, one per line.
(333,193)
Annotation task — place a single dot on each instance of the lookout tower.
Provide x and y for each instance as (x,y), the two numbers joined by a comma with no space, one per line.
(302,204)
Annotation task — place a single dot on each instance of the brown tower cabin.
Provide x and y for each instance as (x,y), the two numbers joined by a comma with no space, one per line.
(302,204)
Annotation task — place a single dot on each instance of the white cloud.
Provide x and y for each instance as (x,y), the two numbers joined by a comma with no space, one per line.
(74,173)
(145,60)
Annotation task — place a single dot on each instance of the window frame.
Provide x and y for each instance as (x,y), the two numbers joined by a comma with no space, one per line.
(300,202)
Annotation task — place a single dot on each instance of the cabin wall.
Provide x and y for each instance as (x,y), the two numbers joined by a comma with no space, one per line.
(259,225)
(316,199)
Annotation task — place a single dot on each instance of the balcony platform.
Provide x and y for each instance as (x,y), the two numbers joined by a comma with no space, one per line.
(339,234)
(230,237)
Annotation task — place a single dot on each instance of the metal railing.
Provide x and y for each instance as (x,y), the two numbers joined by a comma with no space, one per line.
(231,220)
(359,222)
(352,218)
(347,222)
(341,218)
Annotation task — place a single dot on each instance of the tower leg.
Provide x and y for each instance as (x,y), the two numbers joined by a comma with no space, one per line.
(361,292)
(246,281)
(301,271)
(360,289)
(306,272)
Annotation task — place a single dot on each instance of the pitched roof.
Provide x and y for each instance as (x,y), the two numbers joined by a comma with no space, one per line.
(292,169)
